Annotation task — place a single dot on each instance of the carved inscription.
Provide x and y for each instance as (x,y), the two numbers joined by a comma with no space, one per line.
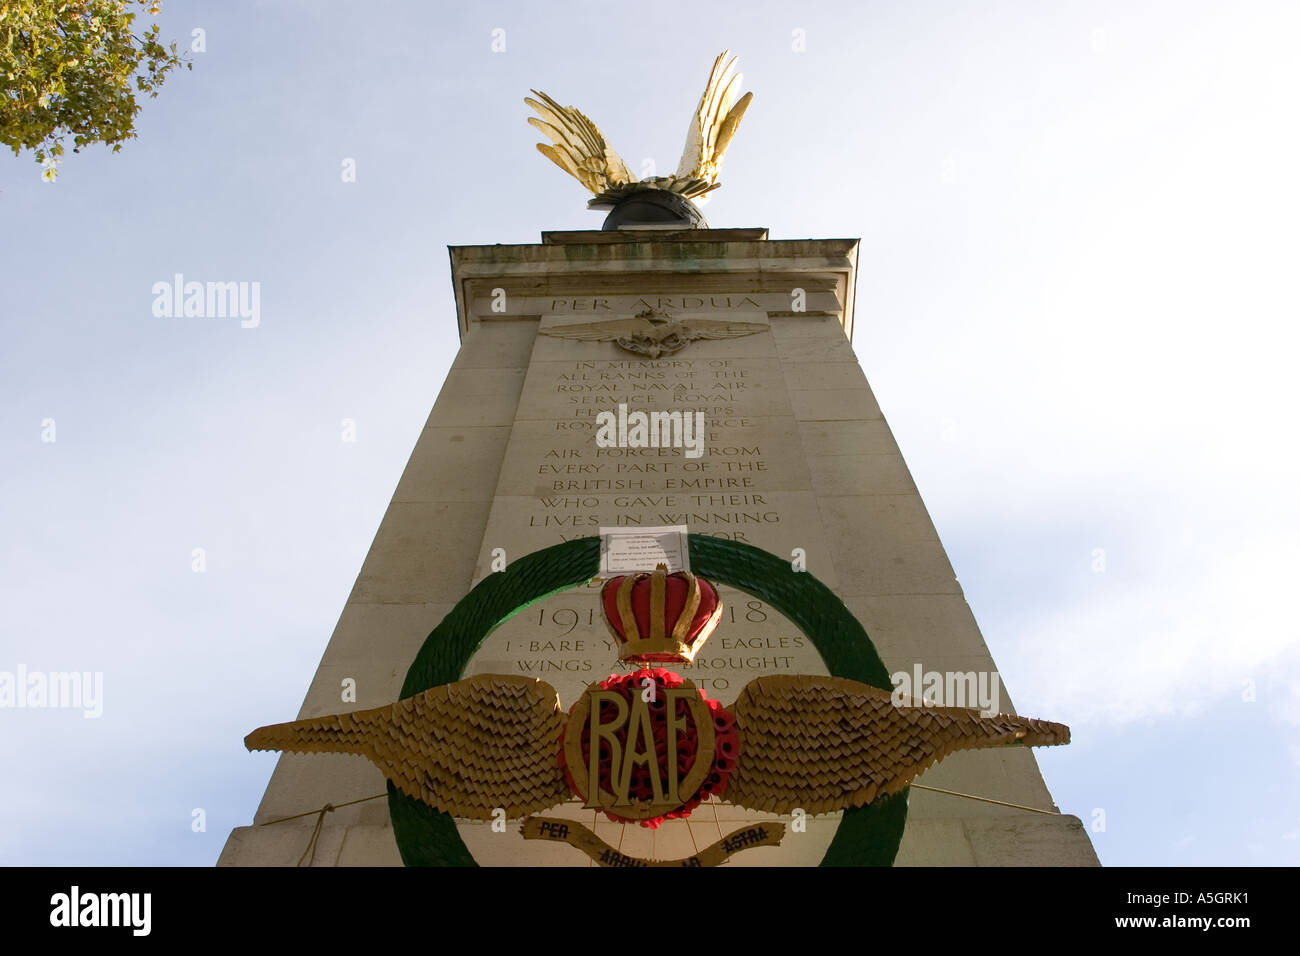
(739,489)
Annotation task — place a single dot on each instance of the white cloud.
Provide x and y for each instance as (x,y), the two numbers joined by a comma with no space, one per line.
(1168,643)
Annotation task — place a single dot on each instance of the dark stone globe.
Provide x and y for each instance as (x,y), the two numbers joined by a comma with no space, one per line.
(654,207)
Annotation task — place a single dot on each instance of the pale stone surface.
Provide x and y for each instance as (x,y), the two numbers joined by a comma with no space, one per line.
(918,628)
(835,476)
(375,680)
(303,783)
(383,632)
(805,375)
(637,841)
(1016,840)
(282,844)
(1005,774)
(795,437)
(885,544)
(477,410)
(492,346)
(410,561)
(832,438)
(934,842)
(672,841)
(470,381)
(809,348)
(453,464)
(1030,840)
(369,846)
(834,404)
(287,844)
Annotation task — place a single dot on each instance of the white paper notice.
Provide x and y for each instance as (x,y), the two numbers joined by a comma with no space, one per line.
(629,550)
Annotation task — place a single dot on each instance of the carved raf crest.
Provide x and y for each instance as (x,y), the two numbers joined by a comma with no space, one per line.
(654,332)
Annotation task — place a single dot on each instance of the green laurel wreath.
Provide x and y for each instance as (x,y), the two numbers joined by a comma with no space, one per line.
(867,836)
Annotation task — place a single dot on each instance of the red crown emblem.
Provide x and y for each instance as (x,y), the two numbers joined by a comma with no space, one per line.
(659,616)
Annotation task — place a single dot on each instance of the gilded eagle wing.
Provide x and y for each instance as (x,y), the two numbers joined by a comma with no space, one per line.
(720,329)
(579,146)
(714,123)
(465,748)
(826,743)
(609,330)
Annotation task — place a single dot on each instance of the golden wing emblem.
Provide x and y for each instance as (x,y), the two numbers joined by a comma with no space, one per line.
(714,123)
(579,146)
(465,748)
(827,743)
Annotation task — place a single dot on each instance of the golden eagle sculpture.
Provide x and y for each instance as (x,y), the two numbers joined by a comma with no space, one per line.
(579,148)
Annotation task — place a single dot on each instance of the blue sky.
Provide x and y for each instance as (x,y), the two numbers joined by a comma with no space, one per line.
(1076,304)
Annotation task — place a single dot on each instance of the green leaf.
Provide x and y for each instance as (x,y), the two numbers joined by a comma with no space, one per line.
(66,70)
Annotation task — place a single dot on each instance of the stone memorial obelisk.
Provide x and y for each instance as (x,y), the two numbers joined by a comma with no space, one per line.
(657,312)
